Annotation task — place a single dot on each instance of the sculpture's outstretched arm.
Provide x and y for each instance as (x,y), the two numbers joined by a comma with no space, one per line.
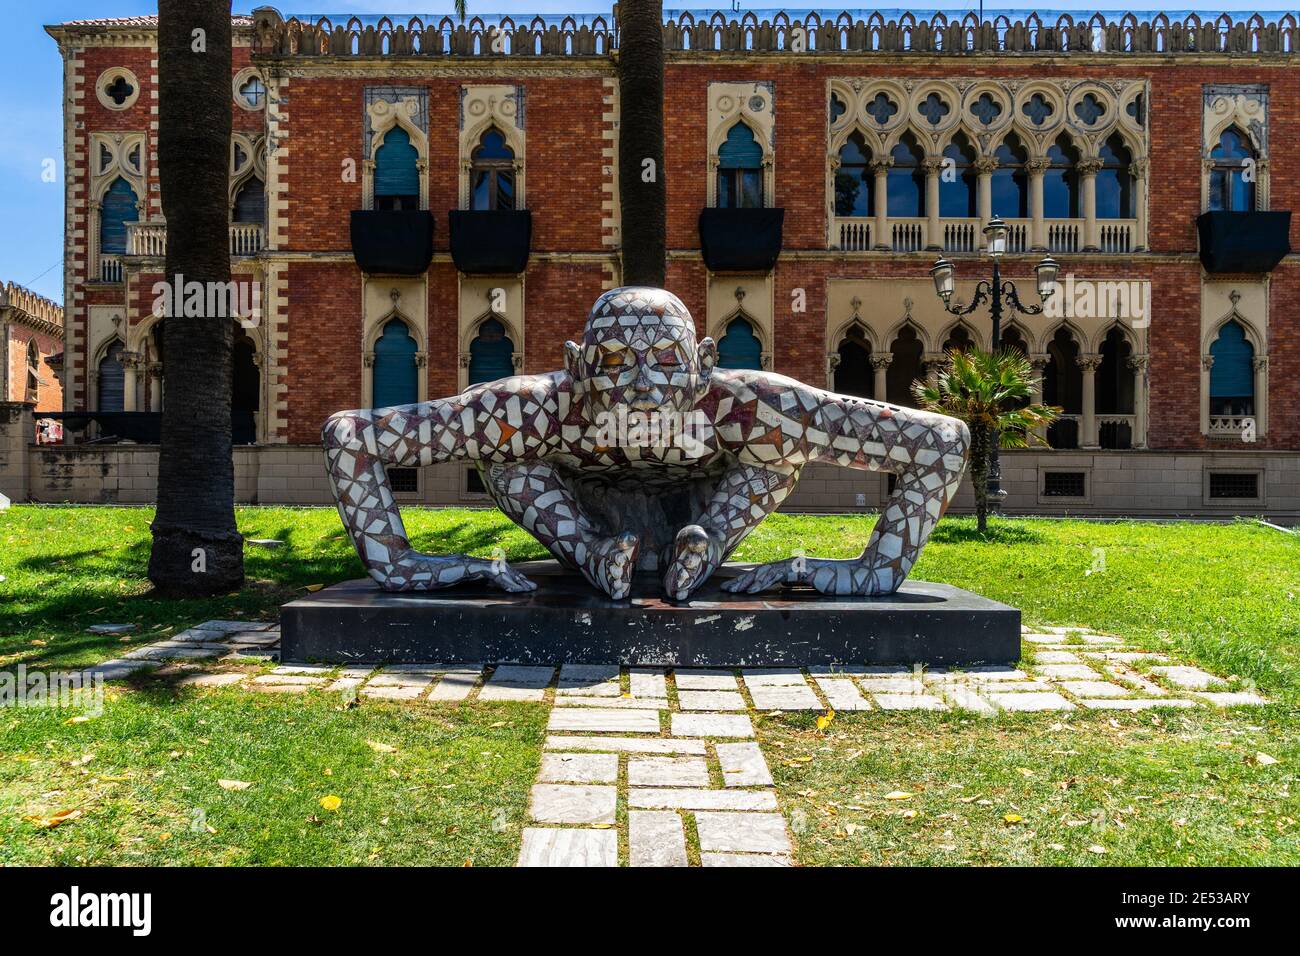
(483,424)
(926,451)
(746,495)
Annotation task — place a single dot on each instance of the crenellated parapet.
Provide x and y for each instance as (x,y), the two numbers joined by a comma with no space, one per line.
(36,311)
(798,31)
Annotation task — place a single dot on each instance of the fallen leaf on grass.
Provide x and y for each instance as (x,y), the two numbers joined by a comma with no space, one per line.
(314,587)
(898,795)
(49,823)
(825,719)
(79,719)
(377,747)
(1025,771)
(331,802)
(1013,818)
(1099,850)
(234,784)
(1262,759)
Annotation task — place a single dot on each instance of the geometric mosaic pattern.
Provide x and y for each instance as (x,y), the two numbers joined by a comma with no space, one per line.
(641,454)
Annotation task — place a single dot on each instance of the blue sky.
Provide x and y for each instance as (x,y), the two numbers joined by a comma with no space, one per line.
(31,244)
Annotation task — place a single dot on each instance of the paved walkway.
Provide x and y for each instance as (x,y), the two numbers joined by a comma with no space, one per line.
(656,767)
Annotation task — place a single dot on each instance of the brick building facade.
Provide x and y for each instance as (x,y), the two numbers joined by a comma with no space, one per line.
(387,172)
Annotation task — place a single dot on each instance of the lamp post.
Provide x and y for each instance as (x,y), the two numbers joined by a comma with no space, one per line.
(995,290)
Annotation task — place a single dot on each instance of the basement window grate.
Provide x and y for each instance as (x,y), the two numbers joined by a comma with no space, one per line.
(1064,484)
(405,481)
(1227,484)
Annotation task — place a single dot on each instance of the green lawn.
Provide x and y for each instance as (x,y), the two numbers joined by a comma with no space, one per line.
(1154,789)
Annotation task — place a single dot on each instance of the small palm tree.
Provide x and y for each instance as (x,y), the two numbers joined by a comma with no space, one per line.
(989,392)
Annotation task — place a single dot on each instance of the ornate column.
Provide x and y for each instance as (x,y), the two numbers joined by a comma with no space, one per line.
(933,363)
(131,362)
(832,363)
(883,238)
(155,379)
(1038,362)
(1138,365)
(1087,170)
(1207,363)
(1089,362)
(1261,395)
(880,384)
(933,231)
(1038,225)
(984,169)
(1139,169)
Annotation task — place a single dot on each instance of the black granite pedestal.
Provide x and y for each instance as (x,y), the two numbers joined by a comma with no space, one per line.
(567,621)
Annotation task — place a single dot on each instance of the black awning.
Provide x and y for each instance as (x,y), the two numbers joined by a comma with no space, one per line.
(741,240)
(490,241)
(392,241)
(1243,241)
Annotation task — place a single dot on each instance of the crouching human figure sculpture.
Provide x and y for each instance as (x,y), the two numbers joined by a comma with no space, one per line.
(642,454)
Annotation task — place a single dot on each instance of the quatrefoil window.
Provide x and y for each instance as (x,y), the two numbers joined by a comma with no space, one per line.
(881,109)
(1089,109)
(934,109)
(1136,110)
(838,108)
(1037,109)
(986,109)
(119,91)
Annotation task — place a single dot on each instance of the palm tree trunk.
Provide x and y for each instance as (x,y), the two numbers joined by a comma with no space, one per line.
(643,200)
(197,548)
(980,450)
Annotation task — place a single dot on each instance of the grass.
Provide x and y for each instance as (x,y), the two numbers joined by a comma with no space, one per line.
(1223,596)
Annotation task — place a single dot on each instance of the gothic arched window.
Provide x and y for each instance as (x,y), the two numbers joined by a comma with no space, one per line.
(397,172)
(740,170)
(492,173)
(854,182)
(395,380)
(1232,179)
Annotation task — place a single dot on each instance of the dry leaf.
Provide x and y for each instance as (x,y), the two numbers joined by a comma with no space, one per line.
(331,802)
(909,814)
(898,795)
(314,587)
(381,748)
(79,719)
(1262,759)
(1099,850)
(233,784)
(825,719)
(1013,818)
(1025,771)
(49,823)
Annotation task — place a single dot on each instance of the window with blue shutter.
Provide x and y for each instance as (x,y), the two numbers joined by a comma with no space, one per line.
(1232,376)
(397,177)
(112,380)
(117,209)
(250,202)
(740,170)
(739,347)
(394,371)
(491,354)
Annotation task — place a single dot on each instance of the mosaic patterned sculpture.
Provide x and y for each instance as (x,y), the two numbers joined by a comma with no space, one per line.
(643,455)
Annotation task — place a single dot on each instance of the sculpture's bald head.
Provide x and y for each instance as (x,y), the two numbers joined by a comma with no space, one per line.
(639,351)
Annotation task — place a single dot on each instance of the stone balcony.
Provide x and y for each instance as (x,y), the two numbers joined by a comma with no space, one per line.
(150,239)
(958,235)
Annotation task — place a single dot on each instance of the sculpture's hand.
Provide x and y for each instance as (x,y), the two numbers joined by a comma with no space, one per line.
(827,575)
(695,555)
(499,574)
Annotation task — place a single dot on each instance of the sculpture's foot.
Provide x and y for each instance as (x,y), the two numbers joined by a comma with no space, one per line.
(612,563)
(693,558)
(828,576)
(414,571)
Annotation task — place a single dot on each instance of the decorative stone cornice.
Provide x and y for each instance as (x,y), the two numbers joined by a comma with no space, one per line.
(21,305)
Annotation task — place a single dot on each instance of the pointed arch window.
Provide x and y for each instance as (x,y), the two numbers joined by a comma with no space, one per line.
(906,367)
(250,202)
(1061,181)
(116,210)
(854,183)
(1232,376)
(111,387)
(1063,386)
(397,172)
(1009,182)
(491,354)
(33,370)
(492,173)
(960,197)
(853,374)
(740,348)
(740,170)
(395,381)
(906,179)
(1115,390)
(1232,180)
(1115,184)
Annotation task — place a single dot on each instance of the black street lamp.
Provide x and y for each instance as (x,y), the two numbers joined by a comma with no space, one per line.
(994,290)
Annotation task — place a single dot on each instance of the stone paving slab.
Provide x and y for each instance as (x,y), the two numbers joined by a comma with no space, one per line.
(517,682)
(908,702)
(641,745)
(656,838)
(743,765)
(578,768)
(685,798)
(1187,678)
(648,682)
(842,693)
(604,720)
(591,680)
(455,685)
(570,803)
(705,680)
(1135,703)
(712,725)
(744,859)
(1030,702)
(772,677)
(742,833)
(1067,672)
(568,847)
(1232,699)
(403,692)
(618,703)
(783,697)
(667,772)
(711,700)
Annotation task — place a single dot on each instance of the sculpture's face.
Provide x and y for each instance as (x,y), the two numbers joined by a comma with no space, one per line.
(639,354)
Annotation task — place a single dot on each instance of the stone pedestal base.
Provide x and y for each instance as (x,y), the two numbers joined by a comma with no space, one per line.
(566,621)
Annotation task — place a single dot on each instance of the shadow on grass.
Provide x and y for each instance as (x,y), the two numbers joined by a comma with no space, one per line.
(966,533)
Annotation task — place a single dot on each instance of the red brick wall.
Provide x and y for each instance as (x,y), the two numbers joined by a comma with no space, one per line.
(49,393)
(324,351)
